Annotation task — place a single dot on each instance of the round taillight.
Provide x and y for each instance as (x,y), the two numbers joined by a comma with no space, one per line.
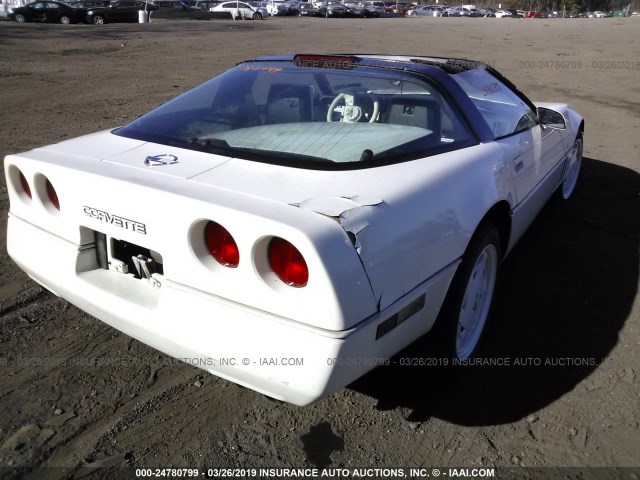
(53,196)
(25,185)
(287,263)
(221,245)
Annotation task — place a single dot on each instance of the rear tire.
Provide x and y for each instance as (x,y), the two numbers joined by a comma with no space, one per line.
(468,303)
(65,20)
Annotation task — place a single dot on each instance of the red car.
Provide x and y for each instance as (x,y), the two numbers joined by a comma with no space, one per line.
(398,7)
(532,14)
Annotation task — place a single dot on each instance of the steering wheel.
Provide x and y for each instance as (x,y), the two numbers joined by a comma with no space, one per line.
(351,112)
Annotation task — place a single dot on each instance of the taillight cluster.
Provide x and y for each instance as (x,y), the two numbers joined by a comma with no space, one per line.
(24,184)
(221,245)
(287,262)
(42,186)
(52,195)
(283,258)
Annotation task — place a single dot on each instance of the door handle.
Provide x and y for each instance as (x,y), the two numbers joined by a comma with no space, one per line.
(518,163)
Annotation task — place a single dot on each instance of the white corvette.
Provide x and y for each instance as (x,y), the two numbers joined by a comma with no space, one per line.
(297,220)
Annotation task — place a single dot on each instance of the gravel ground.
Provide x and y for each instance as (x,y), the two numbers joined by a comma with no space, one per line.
(567,315)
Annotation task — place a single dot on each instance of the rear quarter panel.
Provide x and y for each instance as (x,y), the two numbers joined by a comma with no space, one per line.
(429,210)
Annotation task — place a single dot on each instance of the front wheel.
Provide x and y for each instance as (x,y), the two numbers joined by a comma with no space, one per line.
(98,20)
(468,302)
(65,20)
(257,16)
(572,170)
(20,18)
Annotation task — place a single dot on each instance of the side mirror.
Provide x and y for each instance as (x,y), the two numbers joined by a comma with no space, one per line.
(551,118)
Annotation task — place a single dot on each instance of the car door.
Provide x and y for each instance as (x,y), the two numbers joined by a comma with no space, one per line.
(245,10)
(37,12)
(51,12)
(536,155)
(532,150)
(126,11)
(122,12)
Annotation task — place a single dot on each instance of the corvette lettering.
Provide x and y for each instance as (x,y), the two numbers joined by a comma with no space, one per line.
(115,220)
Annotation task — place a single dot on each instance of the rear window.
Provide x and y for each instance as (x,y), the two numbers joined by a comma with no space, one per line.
(321,118)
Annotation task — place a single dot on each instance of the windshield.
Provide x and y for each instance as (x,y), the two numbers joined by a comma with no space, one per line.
(278,112)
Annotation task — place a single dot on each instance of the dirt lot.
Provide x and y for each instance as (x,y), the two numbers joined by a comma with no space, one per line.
(568,296)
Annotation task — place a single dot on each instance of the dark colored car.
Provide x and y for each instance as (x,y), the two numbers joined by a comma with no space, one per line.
(308,10)
(118,11)
(354,9)
(332,9)
(514,13)
(54,12)
(173,5)
(373,8)
(87,4)
(486,12)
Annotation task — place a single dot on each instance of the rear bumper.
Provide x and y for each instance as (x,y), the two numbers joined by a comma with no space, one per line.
(281,358)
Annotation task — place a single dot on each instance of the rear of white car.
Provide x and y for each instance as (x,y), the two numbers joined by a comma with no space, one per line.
(164,245)
(142,262)
(288,225)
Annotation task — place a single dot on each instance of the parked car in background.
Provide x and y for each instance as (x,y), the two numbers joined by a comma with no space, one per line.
(373,8)
(308,9)
(50,12)
(503,13)
(401,8)
(332,8)
(278,7)
(89,3)
(205,5)
(181,5)
(533,14)
(398,7)
(424,11)
(241,10)
(260,6)
(486,12)
(118,11)
(354,8)
(461,12)
(515,13)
